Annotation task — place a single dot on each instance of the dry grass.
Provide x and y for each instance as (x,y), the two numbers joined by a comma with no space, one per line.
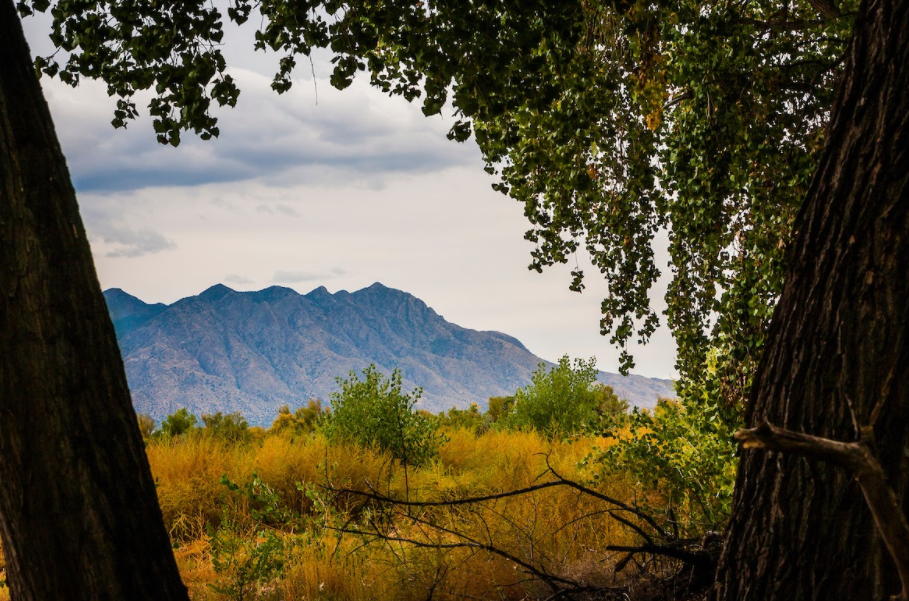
(558,529)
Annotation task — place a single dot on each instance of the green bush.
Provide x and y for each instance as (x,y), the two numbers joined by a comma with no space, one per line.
(499,407)
(178,423)
(302,421)
(468,419)
(684,452)
(249,558)
(232,427)
(564,400)
(373,412)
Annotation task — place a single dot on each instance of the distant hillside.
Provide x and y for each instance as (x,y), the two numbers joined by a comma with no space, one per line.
(252,352)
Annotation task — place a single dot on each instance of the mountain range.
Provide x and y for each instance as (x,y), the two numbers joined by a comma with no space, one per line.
(252,352)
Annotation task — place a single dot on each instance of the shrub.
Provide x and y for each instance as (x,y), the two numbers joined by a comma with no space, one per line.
(232,427)
(177,423)
(681,456)
(563,400)
(373,412)
(301,421)
(607,404)
(499,408)
(468,419)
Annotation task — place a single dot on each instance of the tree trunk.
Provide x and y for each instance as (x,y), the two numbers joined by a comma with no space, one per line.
(837,358)
(78,511)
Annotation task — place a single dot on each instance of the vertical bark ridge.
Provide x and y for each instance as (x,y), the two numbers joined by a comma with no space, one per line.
(837,357)
(79,515)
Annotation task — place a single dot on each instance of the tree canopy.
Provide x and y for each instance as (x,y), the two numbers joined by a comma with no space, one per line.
(610,121)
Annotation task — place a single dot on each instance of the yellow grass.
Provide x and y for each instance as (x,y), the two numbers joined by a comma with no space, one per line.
(547,527)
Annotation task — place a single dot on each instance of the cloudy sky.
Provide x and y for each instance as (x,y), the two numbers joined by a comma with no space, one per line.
(318,187)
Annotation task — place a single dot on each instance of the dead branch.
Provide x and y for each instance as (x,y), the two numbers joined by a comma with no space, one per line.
(598,495)
(552,580)
(856,458)
(686,95)
(698,560)
(559,481)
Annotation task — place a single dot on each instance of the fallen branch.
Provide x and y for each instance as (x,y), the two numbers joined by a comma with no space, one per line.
(560,587)
(550,579)
(700,561)
(559,481)
(856,458)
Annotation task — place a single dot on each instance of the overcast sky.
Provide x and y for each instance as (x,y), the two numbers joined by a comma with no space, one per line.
(353,189)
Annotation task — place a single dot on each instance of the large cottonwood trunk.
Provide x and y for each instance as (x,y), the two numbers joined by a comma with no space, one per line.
(79,516)
(837,358)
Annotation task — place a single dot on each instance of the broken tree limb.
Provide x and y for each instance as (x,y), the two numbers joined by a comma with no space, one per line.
(856,458)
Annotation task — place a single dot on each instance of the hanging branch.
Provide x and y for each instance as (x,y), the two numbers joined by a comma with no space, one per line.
(855,458)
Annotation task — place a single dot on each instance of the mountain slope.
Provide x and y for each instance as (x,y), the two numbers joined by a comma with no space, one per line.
(252,352)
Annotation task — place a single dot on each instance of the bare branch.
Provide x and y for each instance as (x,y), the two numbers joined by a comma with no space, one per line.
(598,495)
(550,579)
(674,552)
(633,526)
(375,495)
(848,455)
(686,95)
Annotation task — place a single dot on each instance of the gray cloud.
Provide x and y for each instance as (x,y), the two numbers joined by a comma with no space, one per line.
(355,135)
(222,204)
(111,224)
(294,277)
(135,243)
(271,209)
(286,210)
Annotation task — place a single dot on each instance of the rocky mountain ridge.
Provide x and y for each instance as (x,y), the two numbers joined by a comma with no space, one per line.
(252,352)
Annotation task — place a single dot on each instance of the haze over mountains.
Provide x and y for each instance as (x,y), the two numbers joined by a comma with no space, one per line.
(252,352)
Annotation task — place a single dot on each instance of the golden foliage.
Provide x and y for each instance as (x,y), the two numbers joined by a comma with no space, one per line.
(548,524)
(558,528)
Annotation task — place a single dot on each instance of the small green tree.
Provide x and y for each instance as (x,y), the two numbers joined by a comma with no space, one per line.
(248,551)
(232,427)
(373,412)
(302,421)
(558,401)
(681,463)
(178,423)
(499,407)
(607,404)
(468,419)
(679,456)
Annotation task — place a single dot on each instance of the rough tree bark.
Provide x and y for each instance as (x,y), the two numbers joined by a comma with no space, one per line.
(79,516)
(837,358)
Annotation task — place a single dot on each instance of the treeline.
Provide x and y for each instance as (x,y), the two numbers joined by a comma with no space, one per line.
(684,452)
(373,410)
